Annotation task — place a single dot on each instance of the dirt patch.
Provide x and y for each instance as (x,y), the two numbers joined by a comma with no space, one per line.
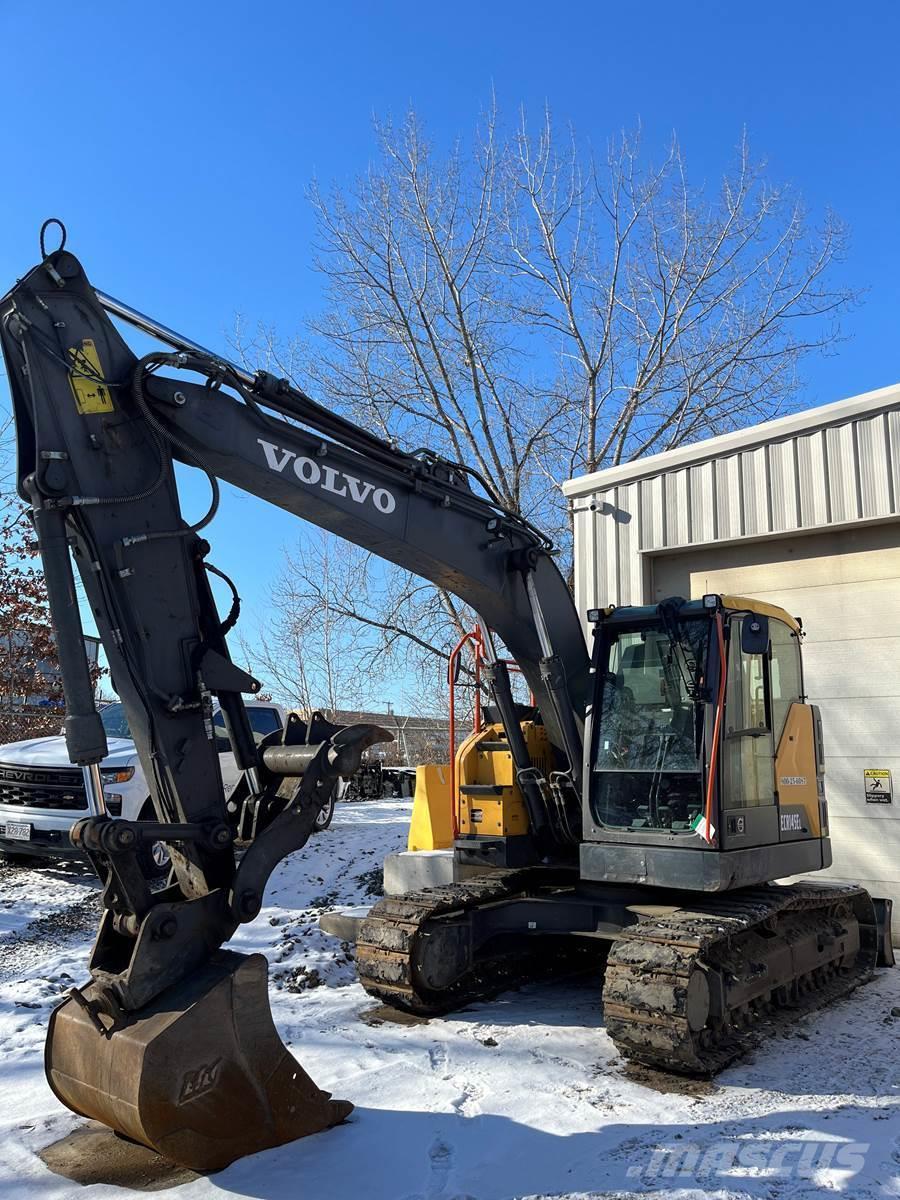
(383,1014)
(372,882)
(667,1084)
(301,979)
(94,1154)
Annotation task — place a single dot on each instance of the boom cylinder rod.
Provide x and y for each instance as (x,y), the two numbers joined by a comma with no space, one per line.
(178,341)
(93,789)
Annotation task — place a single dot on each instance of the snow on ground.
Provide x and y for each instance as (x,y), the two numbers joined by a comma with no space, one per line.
(525,1096)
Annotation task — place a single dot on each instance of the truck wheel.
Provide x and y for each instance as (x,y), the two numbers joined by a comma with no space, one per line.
(323,820)
(153,857)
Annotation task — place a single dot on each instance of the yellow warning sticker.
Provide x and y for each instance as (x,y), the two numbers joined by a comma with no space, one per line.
(878,785)
(91,396)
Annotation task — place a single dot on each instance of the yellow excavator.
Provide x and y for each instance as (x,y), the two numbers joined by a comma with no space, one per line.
(703,781)
(644,802)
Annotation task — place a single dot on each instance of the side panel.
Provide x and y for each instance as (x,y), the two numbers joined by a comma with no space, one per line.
(431,827)
(490,802)
(700,870)
(796,776)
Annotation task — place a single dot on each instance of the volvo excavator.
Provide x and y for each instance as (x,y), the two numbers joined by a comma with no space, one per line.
(644,802)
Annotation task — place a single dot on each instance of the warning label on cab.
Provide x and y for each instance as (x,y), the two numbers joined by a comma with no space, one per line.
(878,785)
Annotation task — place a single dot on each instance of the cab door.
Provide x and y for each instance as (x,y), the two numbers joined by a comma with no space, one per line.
(799,765)
(749,800)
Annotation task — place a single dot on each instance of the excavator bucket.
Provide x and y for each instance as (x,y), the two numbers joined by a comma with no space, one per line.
(200,1075)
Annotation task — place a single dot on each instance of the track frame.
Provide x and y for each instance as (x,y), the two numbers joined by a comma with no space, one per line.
(691,981)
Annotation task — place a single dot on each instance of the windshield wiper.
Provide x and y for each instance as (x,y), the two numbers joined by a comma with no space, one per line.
(689,667)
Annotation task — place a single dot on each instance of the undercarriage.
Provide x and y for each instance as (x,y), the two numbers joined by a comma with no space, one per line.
(691,982)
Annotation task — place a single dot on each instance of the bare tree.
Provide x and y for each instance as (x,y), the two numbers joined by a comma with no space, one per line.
(537,311)
(675,313)
(311,652)
(340,625)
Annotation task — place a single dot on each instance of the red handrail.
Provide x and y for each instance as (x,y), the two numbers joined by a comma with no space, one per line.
(474,636)
(477,638)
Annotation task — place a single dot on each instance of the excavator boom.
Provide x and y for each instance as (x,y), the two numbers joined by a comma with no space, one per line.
(171,1042)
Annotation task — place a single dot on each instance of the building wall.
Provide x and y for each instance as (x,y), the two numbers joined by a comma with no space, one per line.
(836,466)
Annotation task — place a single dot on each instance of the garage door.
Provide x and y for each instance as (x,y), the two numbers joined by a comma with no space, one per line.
(845,586)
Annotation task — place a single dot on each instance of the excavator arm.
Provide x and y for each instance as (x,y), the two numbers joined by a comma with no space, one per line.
(99,430)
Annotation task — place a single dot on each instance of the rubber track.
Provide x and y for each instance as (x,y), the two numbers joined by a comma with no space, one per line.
(645,990)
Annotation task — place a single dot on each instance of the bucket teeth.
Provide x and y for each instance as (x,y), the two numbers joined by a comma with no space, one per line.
(200,1075)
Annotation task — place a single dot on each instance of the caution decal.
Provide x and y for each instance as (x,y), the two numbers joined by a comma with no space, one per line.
(878,785)
(91,396)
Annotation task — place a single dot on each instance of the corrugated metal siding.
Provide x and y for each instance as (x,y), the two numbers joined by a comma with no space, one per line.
(836,474)
(703,501)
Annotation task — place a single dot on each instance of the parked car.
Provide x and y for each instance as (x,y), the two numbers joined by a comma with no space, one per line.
(42,793)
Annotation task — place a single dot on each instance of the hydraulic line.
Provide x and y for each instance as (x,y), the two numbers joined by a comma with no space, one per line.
(160,431)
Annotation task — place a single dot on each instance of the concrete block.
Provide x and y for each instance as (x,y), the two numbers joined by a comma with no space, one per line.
(410,871)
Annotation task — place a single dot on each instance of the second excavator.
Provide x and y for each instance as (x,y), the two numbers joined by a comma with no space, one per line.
(643,803)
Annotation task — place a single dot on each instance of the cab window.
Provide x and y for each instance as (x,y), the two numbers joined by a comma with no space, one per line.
(114,721)
(785,672)
(646,772)
(263,720)
(749,752)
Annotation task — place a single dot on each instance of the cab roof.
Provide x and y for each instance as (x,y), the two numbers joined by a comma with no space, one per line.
(745,603)
(688,609)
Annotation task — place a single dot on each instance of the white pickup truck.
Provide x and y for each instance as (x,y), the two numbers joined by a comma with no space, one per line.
(42,793)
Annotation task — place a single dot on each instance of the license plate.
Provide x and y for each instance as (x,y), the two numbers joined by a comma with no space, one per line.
(17,831)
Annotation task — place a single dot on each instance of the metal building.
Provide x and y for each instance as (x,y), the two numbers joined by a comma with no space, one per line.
(803,512)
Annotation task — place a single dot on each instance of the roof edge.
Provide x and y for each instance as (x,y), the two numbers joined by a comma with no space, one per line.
(781,428)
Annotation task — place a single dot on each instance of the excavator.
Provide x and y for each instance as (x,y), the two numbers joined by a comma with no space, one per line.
(644,802)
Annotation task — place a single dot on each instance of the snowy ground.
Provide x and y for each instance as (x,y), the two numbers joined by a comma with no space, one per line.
(522,1097)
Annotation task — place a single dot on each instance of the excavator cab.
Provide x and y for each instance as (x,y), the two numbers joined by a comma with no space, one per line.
(704,767)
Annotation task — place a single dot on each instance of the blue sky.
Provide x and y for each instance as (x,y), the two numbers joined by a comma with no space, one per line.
(177,140)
